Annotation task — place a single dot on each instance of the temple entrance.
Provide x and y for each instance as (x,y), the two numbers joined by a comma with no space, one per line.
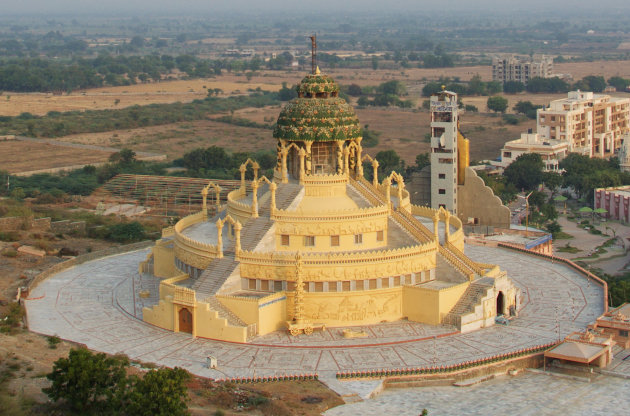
(500,302)
(185,320)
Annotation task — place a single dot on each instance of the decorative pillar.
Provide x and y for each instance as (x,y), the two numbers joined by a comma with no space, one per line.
(359,157)
(219,238)
(375,168)
(436,222)
(309,166)
(256,166)
(237,238)
(273,188)
(353,156)
(447,228)
(298,300)
(388,192)
(302,155)
(346,162)
(243,169)
(217,191)
(254,199)
(204,196)
(399,188)
(284,151)
(339,157)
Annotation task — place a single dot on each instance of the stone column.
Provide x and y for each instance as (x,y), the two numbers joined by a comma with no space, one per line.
(217,191)
(339,157)
(284,151)
(237,236)
(436,222)
(359,153)
(255,166)
(254,199)
(273,188)
(388,192)
(399,189)
(375,169)
(346,162)
(204,196)
(309,166)
(219,238)
(302,156)
(447,228)
(243,169)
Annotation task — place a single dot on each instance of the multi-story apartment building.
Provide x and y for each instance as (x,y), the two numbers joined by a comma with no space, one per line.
(522,69)
(591,124)
(551,151)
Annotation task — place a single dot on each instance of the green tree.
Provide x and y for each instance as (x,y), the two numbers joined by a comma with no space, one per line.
(127,232)
(422,160)
(526,172)
(124,157)
(160,392)
(87,383)
(497,103)
(593,83)
(619,83)
(388,161)
(513,87)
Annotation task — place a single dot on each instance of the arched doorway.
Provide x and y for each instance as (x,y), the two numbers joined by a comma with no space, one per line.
(185,320)
(500,303)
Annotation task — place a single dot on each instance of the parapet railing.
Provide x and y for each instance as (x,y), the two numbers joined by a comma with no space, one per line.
(184,242)
(412,225)
(332,259)
(324,179)
(457,262)
(568,262)
(366,189)
(448,369)
(463,258)
(332,215)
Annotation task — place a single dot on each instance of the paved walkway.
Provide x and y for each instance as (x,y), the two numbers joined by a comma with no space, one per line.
(526,394)
(94,304)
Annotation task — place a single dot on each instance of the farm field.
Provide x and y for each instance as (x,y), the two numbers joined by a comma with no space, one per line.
(107,98)
(22,156)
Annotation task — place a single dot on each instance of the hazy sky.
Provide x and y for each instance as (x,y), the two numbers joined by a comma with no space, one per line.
(183,7)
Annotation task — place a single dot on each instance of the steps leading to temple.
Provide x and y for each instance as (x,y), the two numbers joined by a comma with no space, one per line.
(225,313)
(468,302)
(214,276)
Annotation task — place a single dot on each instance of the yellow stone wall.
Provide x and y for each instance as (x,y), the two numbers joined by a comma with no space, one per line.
(163,260)
(430,306)
(342,266)
(268,313)
(351,308)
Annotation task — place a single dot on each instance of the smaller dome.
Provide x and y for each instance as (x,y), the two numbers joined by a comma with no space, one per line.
(318,114)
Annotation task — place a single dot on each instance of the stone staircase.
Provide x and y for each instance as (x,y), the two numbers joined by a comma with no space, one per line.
(215,275)
(468,302)
(225,313)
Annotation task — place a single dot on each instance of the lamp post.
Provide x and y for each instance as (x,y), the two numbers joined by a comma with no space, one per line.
(526,198)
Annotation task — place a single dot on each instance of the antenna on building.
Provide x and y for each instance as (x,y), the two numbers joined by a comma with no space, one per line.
(313,53)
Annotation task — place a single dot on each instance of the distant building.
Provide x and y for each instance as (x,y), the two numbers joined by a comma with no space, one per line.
(551,151)
(591,124)
(518,68)
(624,153)
(616,202)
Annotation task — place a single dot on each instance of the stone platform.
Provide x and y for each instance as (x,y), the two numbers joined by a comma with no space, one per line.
(98,304)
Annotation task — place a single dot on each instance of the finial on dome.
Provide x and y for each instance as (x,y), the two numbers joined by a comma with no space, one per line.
(317,71)
(443,87)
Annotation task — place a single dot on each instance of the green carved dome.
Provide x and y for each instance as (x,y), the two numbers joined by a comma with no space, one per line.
(318,113)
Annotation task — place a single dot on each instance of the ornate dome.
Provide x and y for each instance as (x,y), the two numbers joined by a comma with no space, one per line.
(318,114)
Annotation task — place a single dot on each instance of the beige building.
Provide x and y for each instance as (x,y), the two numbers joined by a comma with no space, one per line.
(624,153)
(616,202)
(521,69)
(551,151)
(591,124)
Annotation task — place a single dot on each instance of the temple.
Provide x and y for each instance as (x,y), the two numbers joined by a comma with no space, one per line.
(320,245)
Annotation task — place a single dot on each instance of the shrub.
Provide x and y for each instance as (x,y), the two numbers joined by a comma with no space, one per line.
(53,341)
(9,252)
(9,236)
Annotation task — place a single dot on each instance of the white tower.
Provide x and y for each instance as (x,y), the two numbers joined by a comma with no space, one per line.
(444,151)
(624,153)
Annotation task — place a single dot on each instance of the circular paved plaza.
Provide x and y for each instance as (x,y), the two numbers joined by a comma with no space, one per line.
(98,304)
